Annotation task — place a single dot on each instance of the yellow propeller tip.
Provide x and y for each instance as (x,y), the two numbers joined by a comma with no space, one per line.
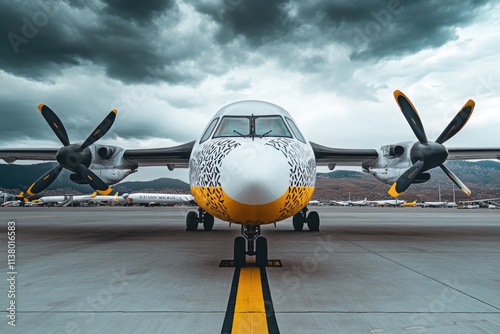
(393,191)
(115,111)
(40,106)
(105,192)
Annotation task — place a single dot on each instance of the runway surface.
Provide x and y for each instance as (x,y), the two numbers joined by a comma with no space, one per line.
(368,270)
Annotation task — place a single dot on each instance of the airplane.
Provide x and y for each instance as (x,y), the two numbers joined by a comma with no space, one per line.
(152,199)
(65,198)
(106,198)
(339,203)
(387,202)
(358,203)
(439,204)
(409,204)
(350,203)
(251,166)
(12,203)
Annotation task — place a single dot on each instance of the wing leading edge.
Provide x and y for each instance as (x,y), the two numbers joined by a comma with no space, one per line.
(176,155)
(11,155)
(339,156)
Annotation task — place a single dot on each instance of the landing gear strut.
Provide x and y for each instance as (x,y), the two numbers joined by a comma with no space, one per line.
(256,245)
(202,217)
(312,220)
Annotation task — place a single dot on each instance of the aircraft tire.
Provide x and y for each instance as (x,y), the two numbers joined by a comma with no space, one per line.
(239,252)
(191,221)
(261,254)
(313,221)
(208,222)
(298,222)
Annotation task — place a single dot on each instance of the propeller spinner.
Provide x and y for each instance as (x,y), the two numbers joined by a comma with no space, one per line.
(426,154)
(73,157)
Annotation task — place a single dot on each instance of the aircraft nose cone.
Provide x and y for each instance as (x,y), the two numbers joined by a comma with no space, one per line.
(255,174)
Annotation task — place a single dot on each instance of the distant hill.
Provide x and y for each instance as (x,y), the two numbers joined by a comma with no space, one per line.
(15,178)
(482,177)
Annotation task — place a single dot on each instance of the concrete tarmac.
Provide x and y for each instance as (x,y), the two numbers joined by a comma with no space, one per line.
(136,270)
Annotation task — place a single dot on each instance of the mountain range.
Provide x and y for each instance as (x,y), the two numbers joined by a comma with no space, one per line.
(482,177)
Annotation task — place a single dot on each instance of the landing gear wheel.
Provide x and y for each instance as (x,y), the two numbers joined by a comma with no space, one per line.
(313,221)
(298,222)
(191,221)
(239,252)
(208,222)
(261,254)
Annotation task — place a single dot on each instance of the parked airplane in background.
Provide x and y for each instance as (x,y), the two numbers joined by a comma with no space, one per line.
(439,204)
(350,203)
(409,204)
(65,198)
(154,199)
(387,202)
(107,199)
(12,203)
(251,165)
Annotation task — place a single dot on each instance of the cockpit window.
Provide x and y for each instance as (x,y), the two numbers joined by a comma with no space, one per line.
(271,126)
(209,130)
(252,126)
(295,130)
(233,126)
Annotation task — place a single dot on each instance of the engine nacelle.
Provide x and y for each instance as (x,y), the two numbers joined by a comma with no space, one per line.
(106,152)
(392,161)
(396,150)
(108,163)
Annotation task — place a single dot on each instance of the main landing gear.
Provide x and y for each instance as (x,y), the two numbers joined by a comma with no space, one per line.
(202,217)
(257,246)
(312,220)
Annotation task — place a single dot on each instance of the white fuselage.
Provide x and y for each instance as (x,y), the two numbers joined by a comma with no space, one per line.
(251,165)
(65,198)
(150,198)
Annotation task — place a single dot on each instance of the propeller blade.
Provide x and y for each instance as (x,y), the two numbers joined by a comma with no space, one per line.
(101,129)
(55,123)
(411,115)
(44,181)
(457,123)
(94,181)
(456,180)
(406,179)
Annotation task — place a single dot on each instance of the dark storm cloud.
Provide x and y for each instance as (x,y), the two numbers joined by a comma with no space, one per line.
(138,41)
(260,21)
(130,40)
(370,29)
(142,11)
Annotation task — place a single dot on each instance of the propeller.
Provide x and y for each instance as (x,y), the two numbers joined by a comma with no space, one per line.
(73,157)
(426,154)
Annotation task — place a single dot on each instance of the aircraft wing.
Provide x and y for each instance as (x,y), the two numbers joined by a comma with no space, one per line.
(176,155)
(340,156)
(462,153)
(11,155)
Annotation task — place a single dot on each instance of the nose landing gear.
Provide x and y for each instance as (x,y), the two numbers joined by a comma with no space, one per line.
(255,245)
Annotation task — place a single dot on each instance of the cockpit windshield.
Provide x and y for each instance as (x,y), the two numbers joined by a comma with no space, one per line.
(252,126)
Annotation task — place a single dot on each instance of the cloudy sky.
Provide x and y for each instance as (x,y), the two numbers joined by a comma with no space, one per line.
(169,65)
